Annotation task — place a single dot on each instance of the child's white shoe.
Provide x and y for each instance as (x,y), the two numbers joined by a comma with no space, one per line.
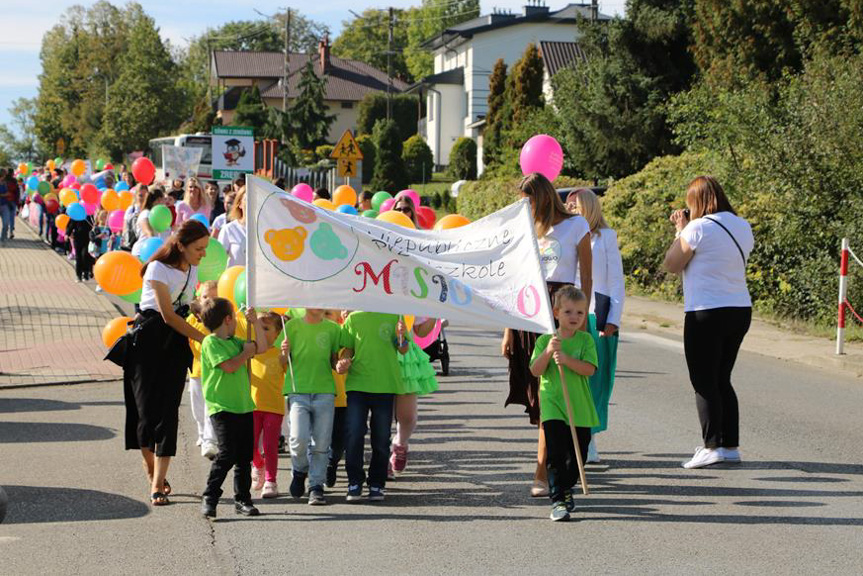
(271,490)
(257,478)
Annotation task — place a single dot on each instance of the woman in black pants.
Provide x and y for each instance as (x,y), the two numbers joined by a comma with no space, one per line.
(711,250)
(154,373)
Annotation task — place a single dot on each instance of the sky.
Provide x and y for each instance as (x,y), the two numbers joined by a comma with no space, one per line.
(25,21)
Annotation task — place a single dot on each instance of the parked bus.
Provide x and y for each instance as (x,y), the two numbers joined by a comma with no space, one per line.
(199,140)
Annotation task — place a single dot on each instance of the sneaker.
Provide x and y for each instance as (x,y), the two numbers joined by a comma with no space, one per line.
(730,454)
(559,513)
(257,478)
(209,450)
(355,492)
(331,475)
(208,509)
(391,475)
(399,458)
(246,509)
(704,457)
(316,496)
(298,484)
(98,289)
(283,447)
(198,442)
(376,494)
(271,490)
(539,489)
(569,501)
(592,454)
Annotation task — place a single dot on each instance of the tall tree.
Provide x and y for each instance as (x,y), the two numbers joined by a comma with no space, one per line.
(20,140)
(390,172)
(309,117)
(366,39)
(527,89)
(429,20)
(493,118)
(251,110)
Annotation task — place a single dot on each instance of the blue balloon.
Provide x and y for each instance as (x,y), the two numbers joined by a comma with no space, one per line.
(347,209)
(32,182)
(100,181)
(148,248)
(76,212)
(202,219)
(120,187)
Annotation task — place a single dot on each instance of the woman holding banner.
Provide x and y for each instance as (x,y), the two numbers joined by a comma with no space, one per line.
(233,234)
(565,253)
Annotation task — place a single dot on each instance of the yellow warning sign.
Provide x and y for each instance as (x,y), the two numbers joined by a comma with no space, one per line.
(347,167)
(347,147)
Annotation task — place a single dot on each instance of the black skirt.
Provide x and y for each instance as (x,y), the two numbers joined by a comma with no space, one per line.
(154,377)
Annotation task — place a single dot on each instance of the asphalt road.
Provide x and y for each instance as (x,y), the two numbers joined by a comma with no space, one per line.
(795,506)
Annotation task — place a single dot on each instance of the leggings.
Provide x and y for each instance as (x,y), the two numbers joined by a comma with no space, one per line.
(711,340)
(268,424)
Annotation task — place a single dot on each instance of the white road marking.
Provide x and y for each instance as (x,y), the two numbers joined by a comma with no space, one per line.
(667,343)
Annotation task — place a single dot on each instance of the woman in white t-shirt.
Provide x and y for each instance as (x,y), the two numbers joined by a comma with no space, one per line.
(154,374)
(143,230)
(564,243)
(233,234)
(194,202)
(711,251)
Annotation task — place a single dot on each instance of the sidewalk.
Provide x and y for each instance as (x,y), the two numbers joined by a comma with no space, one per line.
(666,318)
(51,326)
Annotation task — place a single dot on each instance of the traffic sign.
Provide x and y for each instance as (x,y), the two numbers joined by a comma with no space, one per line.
(347,167)
(347,147)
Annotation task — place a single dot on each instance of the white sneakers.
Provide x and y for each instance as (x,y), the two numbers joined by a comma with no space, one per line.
(704,457)
(731,454)
(592,454)
(209,450)
(257,478)
(271,490)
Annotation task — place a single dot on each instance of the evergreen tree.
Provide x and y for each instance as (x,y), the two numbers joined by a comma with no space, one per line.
(373,107)
(493,118)
(308,115)
(527,87)
(390,173)
(251,111)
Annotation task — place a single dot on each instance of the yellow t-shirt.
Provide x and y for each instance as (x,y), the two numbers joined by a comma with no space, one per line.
(267,380)
(195,372)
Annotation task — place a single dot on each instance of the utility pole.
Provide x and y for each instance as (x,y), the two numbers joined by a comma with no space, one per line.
(390,64)
(286,73)
(594,10)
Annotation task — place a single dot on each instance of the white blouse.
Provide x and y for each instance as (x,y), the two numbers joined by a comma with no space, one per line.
(608,272)
(233,238)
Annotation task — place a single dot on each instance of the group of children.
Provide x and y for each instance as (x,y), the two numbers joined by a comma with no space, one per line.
(90,238)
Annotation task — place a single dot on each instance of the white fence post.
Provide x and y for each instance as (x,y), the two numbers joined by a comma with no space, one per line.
(843,294)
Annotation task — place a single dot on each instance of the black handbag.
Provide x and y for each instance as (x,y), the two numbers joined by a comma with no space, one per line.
(601,308)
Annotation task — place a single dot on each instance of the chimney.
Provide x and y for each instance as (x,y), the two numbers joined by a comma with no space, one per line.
(534,7)
(324,53)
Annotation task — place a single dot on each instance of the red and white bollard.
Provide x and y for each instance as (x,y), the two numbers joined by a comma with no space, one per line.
(843,293)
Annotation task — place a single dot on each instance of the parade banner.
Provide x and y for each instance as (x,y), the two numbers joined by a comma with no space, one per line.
(487,273)
(181,161)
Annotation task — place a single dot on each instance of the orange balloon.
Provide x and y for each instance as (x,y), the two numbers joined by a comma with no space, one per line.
(114,329)
(279,311)
(61,221)
(78,167)
(23,169)
(50,164)
(110,200)
(344,194)
(49,196)
(225,287)
(68,197)
(451,221)
(118,272)
(126,198)
(324,203)
(394,217)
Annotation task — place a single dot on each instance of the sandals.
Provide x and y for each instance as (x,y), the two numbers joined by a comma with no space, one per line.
(166,488)
(159,499)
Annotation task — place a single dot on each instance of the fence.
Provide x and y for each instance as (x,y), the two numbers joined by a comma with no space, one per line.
(844,304)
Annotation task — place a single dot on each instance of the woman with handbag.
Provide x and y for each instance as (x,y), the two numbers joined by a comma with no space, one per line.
(606,307)
(711,250)
(155,366)
(564,245)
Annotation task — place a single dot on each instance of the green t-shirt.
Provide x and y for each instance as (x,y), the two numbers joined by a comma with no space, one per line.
(375,368)
(224,392)
(552,405)
(312,347)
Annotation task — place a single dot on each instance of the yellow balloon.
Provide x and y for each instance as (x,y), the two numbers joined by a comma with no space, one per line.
(126,198)
(395,217)
(226,283)
(110,200)
(68,197)
(324,203)
(50,164)
(78,167)
(451,221)
(344,195)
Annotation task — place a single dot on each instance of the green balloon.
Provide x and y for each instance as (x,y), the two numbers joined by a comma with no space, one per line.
(44,187)
(160,218)
(58,161)
(370,213)
(379,198)
(214,263)
(240,289)
(134,297)
(100,164)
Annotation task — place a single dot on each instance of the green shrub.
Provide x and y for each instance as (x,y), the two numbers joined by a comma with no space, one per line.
(482,197)
(462,160)
(436,201)
(368,150)
(390,173)
(373,108)
(418,158)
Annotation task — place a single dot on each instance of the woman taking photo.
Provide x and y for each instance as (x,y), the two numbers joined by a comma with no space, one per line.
(155,369)
(233,234)
(606,306)
(711,248)
(194,202)
(564,245)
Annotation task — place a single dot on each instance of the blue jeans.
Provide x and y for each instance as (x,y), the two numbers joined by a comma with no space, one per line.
(360,404)
(311,424)
(7,216)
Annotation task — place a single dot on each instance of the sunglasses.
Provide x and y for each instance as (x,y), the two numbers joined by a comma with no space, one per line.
(404,210)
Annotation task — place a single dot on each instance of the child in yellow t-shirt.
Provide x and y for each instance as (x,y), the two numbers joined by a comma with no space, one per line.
(337,443)
(206,435)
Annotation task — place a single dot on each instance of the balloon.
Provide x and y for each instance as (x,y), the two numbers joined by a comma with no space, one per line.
(149,247)
(386,205)
(44,187)
(344,195)
(426,341)
(134,297)
(126,198)
(61,221)
(78,167)
(52,206)
(118,272)
(75,186)
(304,192)
(412,194)
(100,183)
(33,182)
(423,221)
(50,164)
(398,218)
(370,213)
(110,200)
(114,329)
(202,219)
(76,211)
(68,181)
(227,281)
(89,194)
(23,169)
(240,289)
(379,198)
(325,204)
(58,161)
(428,214)
(213,263)
(100,165)
(143,170)
(451,221)
(115,220)
(49,196)
(347,209)
(68,196)
(160,218)
(542,154)
(109,166)
(121,186)
(37,198)
(91,209)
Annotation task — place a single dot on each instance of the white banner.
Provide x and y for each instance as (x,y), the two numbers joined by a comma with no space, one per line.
(181,161)
(484,274)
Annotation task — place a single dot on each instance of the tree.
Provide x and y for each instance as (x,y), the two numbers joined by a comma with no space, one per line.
(308,115)
(527,89)
(390,172)
(251,111)
(462,159)
(428,21)
(418,158)
(20,140)
(365,39)
(367,147)
(405,111)
(496,101)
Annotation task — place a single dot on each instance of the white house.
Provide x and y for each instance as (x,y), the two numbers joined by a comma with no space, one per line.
(464,55)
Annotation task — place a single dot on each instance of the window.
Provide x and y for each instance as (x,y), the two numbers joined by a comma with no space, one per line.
(347,105)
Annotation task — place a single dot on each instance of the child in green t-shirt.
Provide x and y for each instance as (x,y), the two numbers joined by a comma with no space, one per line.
(227,393)
(574,351)
(370,341)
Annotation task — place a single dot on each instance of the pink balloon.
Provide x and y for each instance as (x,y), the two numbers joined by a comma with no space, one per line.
(430,337)
(68,180)
(413,196)
(91,208)
(115,220)
(387,205)
(542,154)
(304,192)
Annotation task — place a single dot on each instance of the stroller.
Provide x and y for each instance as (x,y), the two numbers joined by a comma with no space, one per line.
(439,350)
